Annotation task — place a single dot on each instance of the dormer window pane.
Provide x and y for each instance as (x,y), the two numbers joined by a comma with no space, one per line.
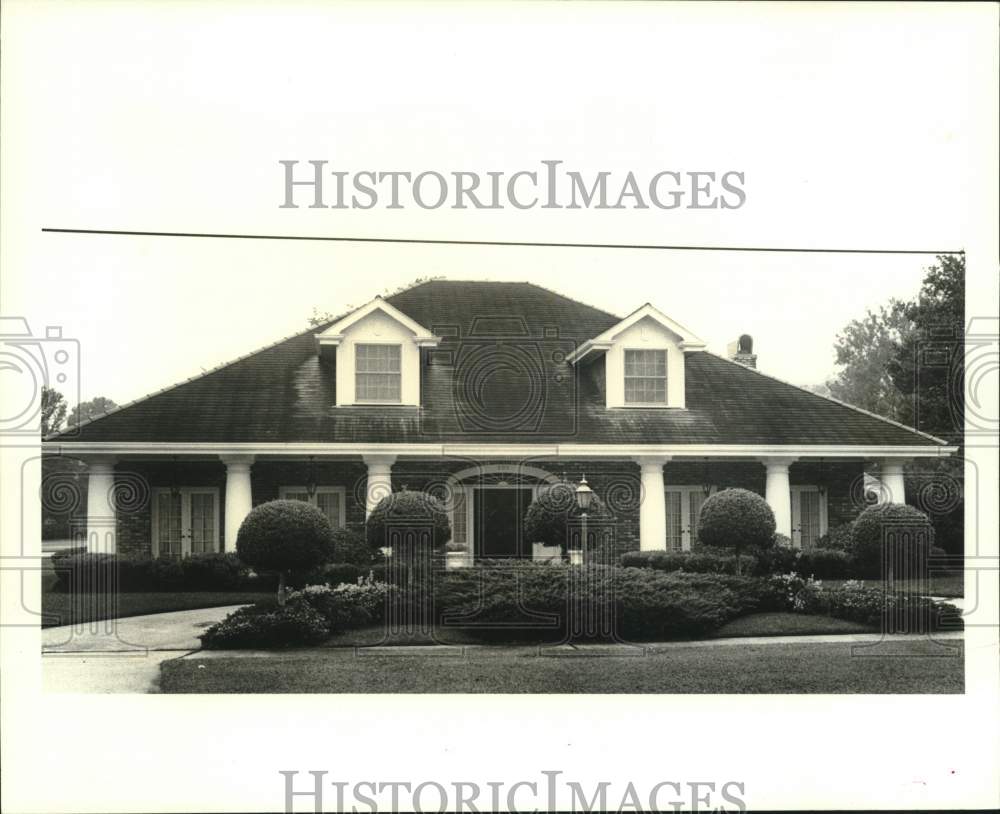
(377,373)
(645,376)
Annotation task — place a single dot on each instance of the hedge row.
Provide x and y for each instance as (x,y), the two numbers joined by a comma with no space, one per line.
(200,572)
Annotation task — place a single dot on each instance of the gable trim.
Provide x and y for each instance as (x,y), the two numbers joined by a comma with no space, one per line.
(603,342)
(333,334)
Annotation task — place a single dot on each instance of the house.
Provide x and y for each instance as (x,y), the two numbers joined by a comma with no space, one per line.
(481,393)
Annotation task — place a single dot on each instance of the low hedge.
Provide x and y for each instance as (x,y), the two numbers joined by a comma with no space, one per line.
(532,603)
(199,572)
(693,562)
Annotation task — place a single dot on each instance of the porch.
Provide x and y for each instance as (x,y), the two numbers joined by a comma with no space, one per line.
(176,500)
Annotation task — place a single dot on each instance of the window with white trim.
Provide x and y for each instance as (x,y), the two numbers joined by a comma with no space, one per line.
(645,376)
(328,499)
(377,374)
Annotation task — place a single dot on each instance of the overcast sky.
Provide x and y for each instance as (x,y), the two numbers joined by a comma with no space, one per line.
(134,118)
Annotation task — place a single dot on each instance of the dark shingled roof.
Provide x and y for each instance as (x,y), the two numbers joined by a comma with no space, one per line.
(520,333)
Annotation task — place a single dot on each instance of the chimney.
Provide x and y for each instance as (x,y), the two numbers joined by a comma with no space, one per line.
(741,351)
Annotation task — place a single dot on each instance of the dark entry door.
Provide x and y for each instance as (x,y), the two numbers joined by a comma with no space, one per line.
(499,515)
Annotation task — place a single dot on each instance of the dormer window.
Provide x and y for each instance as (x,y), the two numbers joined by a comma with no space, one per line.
(377,352)
(643,360)
(645,376)
(377,373)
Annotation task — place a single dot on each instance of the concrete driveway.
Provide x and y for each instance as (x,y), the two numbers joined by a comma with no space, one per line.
(121,655)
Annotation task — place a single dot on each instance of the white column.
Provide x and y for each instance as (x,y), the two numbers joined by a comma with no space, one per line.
(379,479)
(653,508)
(893,487)
(778,493)
(239,495)
(101,522)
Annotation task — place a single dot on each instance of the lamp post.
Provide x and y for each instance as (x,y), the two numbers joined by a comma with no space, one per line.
(584,495)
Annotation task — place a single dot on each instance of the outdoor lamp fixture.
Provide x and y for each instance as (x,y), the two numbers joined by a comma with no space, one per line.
(175,490)
(311,480)
(706,483)
(584,497)
(821,477)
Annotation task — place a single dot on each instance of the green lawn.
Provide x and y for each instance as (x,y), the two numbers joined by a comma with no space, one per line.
(787,624)
(66,609)
(914,667)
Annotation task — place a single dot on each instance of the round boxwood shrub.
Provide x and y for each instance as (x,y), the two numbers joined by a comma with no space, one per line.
(737,519)
(915,537)
(282,536)
(408,518)
(551,514)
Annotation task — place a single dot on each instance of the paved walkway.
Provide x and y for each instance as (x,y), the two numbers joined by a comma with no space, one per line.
(125,655)
(121,655)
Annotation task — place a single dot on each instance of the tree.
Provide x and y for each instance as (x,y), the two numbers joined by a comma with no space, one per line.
(865,349)
(53,410)
(86,410)
(282,536)
(737,519)
(928,365)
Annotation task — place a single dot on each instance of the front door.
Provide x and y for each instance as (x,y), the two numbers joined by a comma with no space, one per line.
(185,521)
(499,517)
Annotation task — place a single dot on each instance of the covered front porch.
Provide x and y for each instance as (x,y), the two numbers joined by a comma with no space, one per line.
(156,500)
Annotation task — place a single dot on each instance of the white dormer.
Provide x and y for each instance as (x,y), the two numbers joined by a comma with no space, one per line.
(377,349)
(643,359)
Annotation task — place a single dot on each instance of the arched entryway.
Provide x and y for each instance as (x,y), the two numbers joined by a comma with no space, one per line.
(488,508)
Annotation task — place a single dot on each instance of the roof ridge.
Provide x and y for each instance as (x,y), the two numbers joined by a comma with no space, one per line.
(572,299)
(118,408)
(832,399)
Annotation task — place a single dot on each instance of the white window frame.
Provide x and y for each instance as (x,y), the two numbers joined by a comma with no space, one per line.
(796,511)
(185,493)
(666,376)
(685,491)
(284,491)
(399,373)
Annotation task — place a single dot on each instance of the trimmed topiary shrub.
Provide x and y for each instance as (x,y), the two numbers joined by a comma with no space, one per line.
(291,625)
(914,540)
(351,546)
(550,515)
(282,536)
(736,518)
(405,511)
